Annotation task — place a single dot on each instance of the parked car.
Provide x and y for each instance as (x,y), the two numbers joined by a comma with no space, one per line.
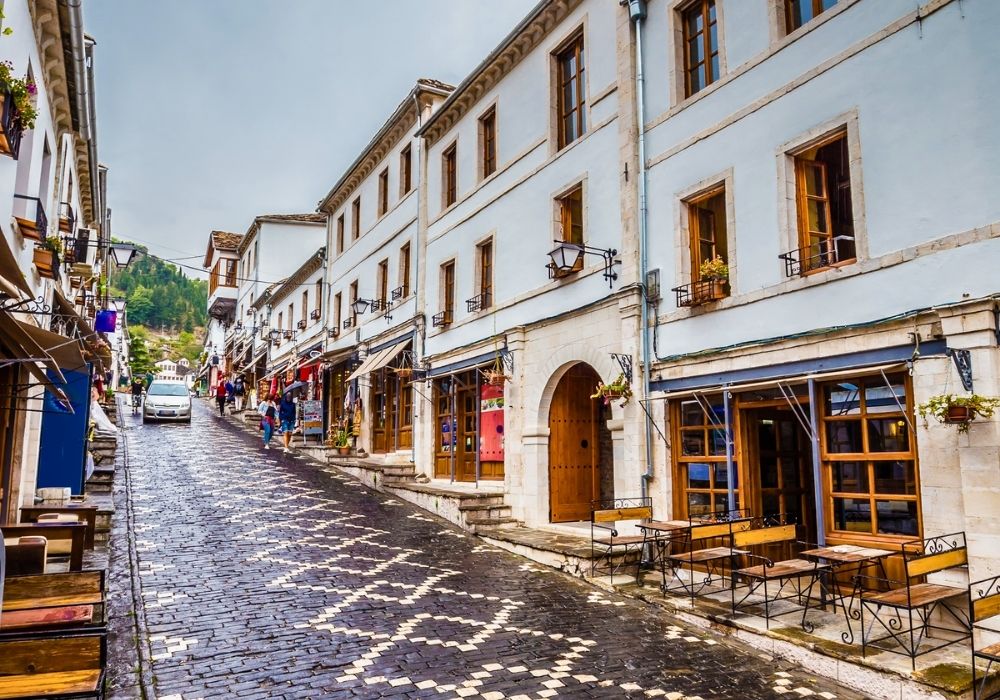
(169,401)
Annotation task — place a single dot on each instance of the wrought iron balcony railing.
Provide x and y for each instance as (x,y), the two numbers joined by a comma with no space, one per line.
(700,292)
(11,127)
(441,319)
(30,216)
(315,314)
(301,325)
(67,217)
(478,303)
(398,293)
(827,252)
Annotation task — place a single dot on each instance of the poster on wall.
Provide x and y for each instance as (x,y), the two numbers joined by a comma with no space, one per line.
(491,423)
(312,418)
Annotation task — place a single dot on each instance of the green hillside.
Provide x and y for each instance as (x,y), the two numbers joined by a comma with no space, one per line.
(160,296)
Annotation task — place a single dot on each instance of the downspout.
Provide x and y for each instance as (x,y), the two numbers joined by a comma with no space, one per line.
(637,13)
(418,320)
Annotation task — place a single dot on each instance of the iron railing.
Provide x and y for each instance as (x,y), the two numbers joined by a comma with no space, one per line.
(700,292)
(478,303)
(10,122)
(824,253)
(441,319)
(40,220)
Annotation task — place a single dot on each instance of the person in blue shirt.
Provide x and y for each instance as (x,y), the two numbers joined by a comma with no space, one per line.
(286,414)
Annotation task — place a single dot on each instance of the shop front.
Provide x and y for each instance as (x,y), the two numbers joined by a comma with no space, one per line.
(469,427)
(390,410)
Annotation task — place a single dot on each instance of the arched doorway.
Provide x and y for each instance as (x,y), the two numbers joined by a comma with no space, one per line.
(576,436)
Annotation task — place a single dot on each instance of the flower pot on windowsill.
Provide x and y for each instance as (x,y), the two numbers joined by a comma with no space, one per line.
(716,289)
(45,262)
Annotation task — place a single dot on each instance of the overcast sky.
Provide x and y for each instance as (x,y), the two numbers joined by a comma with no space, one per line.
(213,111)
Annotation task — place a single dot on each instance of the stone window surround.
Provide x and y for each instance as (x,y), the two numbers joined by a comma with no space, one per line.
(683,272)
(442,291)
(450,148)
(491,106)
(678,64)
(579,29)
(557,196)
(491,239)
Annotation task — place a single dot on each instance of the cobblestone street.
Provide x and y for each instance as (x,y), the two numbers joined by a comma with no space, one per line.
(264,575)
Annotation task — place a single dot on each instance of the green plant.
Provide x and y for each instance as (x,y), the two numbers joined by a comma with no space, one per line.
(22,91)
(619,388)
(53,243)
(940,407)
(714,269)
(340,439)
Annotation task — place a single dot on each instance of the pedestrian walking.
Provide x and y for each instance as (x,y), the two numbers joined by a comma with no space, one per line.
(239,391)
(286,414)
(268,417)
(220,394)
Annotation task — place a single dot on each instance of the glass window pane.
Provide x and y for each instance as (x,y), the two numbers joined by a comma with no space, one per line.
(697,80)
(879,399)
(722,476)
(768,473)
(895,477)
(693,443)
(696,50)
(852,515)
(816,216)
(850,477)
(888,435)
(718,446)
(694,21)
(698,476)
(771,503)
(699,504)
(843,436)
(791,477)
(842,400)
(715,67)
(897,517)
(691,413)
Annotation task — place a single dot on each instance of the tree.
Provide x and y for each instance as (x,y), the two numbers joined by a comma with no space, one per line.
(140,362)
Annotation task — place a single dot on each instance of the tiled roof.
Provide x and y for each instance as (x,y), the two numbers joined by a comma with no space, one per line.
(311,218)
(430,82)
(224,240)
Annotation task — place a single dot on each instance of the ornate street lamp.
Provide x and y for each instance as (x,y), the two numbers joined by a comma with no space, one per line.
(123,254)
(567,257)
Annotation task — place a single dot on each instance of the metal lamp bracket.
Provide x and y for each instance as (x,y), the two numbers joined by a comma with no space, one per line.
(625,362)
(963,363)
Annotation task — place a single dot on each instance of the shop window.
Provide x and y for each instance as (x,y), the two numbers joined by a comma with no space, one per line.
(488,142)
(383,192)
(870,457)
(823,197)
(700,471)
(449,174)
(798,12)
(701,45)
(405,171)
(571,99)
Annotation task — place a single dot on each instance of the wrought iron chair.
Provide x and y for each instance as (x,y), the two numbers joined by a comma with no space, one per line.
(984,604)
(608,553)
(703,551)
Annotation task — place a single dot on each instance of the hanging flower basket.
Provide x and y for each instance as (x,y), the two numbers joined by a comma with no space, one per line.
(618,389)
(494,377)
(403,372)
(959,410)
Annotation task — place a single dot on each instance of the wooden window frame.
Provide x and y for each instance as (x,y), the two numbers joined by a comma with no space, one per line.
(564,211)
(868,458)
(382,279)
(353,297)
(404,269)
(383,192)
(695,232)
(405,170)
(336,311)
(449,175)
(817,10)
(804,235)
(484,264)
(319,299)
(356,219)
(488,143)
(573,48)
(703,6)
(448,276)
(340,233)
(305,305)
(718,494)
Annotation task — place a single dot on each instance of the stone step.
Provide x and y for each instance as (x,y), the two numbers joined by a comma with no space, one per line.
(501,523)
(485,511)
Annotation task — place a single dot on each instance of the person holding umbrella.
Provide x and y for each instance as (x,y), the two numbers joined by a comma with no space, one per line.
(286,414)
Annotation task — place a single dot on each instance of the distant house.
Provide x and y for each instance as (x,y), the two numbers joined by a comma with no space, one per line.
(168,370)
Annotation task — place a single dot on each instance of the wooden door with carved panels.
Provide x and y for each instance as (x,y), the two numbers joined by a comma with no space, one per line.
(573,446)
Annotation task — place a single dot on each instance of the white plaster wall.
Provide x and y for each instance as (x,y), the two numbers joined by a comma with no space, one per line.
(921,183)
(314,331)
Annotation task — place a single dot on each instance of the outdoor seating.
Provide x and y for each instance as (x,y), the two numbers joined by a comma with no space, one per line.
(703,551)
(777,581)
(25,555)
(609,552)
(68,666)
(984,605)
(45,602)
(63,538)
(916,608)
(84,513)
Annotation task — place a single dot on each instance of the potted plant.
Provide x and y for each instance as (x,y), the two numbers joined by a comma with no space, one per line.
(618,389)
(959,410)
(716,273)
(403,372)
(341,442)
(494,376)
(20,91)
(46,256)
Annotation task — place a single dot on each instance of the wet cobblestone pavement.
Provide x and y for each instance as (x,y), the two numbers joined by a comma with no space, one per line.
(265,575)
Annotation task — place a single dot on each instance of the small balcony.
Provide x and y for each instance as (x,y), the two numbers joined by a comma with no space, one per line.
(379,305)
(11,127)
(301,325)
(824,253)
(478,303)
(29,214)
(222,302)
(315,314)
(348,322)
(397,293)
(67,218)
(46,262)
(700,292)
(288,334)
(442,319)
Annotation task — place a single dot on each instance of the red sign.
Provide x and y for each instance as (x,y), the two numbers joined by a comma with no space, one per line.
(491,423)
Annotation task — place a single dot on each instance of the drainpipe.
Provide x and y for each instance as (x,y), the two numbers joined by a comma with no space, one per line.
(637,13)
(419,332)
(79,65)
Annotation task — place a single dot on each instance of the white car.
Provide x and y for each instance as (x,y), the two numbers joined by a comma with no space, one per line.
(170,401)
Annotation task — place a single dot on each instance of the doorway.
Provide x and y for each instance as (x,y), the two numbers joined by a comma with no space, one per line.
(574,446)
(780,461)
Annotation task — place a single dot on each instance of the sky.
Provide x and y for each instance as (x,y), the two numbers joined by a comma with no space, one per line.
(210,112)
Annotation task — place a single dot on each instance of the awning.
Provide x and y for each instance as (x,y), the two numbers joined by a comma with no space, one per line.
(378,360)
(275,371)
(11,278)
(26,351)
(65,351)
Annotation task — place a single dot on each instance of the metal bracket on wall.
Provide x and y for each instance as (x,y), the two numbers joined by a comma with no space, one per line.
(625,362)
(507,358)
(28,306)
(963,363)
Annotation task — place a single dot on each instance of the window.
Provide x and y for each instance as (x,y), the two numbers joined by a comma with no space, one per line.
(404,269)
(353,297)
(488,142)
(305,306)
(823,196)
(340,234)
(571,216)
(709,241)
(356,219)
(798,12)
(869,456)
(701,475)
(319,298)
(281,322)
(701,45)
(448,291)
(383,281)
(383,192)
(291,315)
(572,101)
(485,255)
(336,310)
(405,171)
(449,170)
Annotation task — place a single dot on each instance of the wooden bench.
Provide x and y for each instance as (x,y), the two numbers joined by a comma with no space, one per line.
(53,667)
(910,633)
(801,574)
(62,538)
(25,555)
(716,560)
(49,601)
(613,549)
(86,513)
(984,604)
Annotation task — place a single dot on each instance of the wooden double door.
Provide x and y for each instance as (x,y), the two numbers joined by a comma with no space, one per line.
(574,446)
(392,412)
